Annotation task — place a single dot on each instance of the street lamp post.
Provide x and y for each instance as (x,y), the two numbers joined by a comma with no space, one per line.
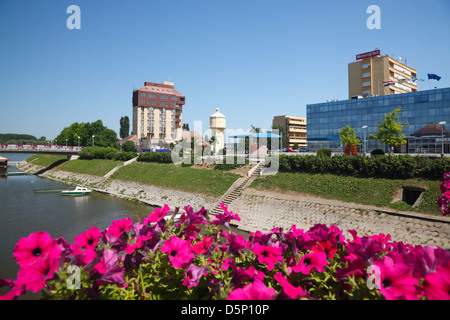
(92,140)
(364,142)
(442,125)
(78,142)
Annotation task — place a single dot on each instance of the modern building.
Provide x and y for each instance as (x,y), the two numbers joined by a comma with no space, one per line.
(157,113)
(427,113)
(375,75)
(295,129)
(217,125)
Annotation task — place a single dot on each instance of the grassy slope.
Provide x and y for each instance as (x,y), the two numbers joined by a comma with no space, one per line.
(94,167)
(210,182)
(369,191)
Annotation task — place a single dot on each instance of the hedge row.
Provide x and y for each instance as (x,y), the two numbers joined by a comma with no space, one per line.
(90,153)
(397,167)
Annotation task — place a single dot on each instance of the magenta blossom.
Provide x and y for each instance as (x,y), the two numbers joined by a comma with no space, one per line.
(425,260)
(256,290)
(119,227)
(268,255)
(236,242)
(225,218)
(157,215)
(242,275)
(290,290)
(88,239)
(395,281)
(35,275)
(312,261)
(138,243)
(193,275)
(37,246)
(202,246)
(179,251)
(437,284)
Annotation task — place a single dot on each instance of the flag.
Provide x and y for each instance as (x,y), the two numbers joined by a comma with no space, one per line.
(414,79)
(434,76)
(388,83)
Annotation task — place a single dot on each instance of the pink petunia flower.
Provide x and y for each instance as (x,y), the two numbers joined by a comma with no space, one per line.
(312,261)
(268,255)
(118,227)
(256,290)
(193,275)
(139,242)
(225,218)
(242,275)
(179,251)
(395,281)
(425,260)
(236,243)
(326,246)
(37,246)
(437,284)
(88,239)
(157,215)
(202,246)
(35,275)
(355,267)
(290,290)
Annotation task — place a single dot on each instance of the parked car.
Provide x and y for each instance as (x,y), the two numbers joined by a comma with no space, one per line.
(303,150)
(290,150)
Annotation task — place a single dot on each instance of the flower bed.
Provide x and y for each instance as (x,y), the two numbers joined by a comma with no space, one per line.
(197,257)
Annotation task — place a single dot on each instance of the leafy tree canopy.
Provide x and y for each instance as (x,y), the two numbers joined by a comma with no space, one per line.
(390,129)
(103,137)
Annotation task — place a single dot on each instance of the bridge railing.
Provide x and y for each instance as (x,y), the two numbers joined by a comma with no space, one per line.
(39,147)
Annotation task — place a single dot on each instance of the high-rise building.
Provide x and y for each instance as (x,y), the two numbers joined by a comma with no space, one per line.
(295,129)
(157,113)
(376,75)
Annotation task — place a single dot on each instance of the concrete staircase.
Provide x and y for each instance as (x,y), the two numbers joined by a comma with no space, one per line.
(235,190)
(110,173)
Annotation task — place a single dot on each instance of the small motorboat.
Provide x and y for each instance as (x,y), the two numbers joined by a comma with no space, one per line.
(78,191)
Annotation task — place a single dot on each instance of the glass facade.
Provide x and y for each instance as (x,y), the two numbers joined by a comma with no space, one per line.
(423,110)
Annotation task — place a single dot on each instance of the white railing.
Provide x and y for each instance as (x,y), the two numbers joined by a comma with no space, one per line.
(34,147)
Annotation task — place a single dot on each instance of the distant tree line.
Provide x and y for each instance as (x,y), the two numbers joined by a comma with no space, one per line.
(21,138)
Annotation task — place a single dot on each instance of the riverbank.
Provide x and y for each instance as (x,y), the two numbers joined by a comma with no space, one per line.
(148,194)
(263,210)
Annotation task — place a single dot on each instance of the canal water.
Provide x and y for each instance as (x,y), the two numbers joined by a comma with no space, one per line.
(22,212)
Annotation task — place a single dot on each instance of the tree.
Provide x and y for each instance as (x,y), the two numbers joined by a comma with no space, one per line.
(348,136)
(103,137)
(390,129)
(129,146)
(124,127)
(185,126)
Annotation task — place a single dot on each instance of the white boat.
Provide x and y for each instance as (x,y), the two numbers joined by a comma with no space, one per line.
(78,191)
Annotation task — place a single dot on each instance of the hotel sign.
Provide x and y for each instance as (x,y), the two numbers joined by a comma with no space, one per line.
(367,55)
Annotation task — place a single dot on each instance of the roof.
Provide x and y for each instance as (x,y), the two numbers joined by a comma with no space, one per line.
(160,88)
(217,114)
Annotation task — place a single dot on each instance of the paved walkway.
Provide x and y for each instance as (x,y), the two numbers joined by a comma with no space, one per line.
(263,211)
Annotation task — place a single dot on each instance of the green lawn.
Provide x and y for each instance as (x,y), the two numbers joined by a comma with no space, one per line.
(204,181)
(45,160)
(96,167)
(369,191)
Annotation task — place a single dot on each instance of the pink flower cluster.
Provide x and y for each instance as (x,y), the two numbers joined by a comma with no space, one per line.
(205,255)
(444,200)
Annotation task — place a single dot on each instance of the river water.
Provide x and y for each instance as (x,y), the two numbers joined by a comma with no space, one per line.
(22,211)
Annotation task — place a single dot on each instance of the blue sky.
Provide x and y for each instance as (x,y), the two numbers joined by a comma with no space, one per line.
(254,59)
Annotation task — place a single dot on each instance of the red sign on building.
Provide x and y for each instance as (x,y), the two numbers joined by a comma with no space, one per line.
(367,55)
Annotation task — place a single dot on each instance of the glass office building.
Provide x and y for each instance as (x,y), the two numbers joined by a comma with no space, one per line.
(427,112)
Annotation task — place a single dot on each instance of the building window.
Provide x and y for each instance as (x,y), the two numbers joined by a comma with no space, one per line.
(142,94)
(173,98)
(365,75)
(366,84)
(163,96)
(366,66)
(163,103)
(142,101)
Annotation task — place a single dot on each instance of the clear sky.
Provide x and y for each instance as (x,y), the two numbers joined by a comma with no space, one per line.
(254,59)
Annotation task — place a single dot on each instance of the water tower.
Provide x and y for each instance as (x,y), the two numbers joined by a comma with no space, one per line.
(217,126)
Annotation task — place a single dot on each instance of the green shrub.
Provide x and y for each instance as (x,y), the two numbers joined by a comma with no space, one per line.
(324,153)
(377,152)
(90,153)
(124,156)
(159,157)
(129,146)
